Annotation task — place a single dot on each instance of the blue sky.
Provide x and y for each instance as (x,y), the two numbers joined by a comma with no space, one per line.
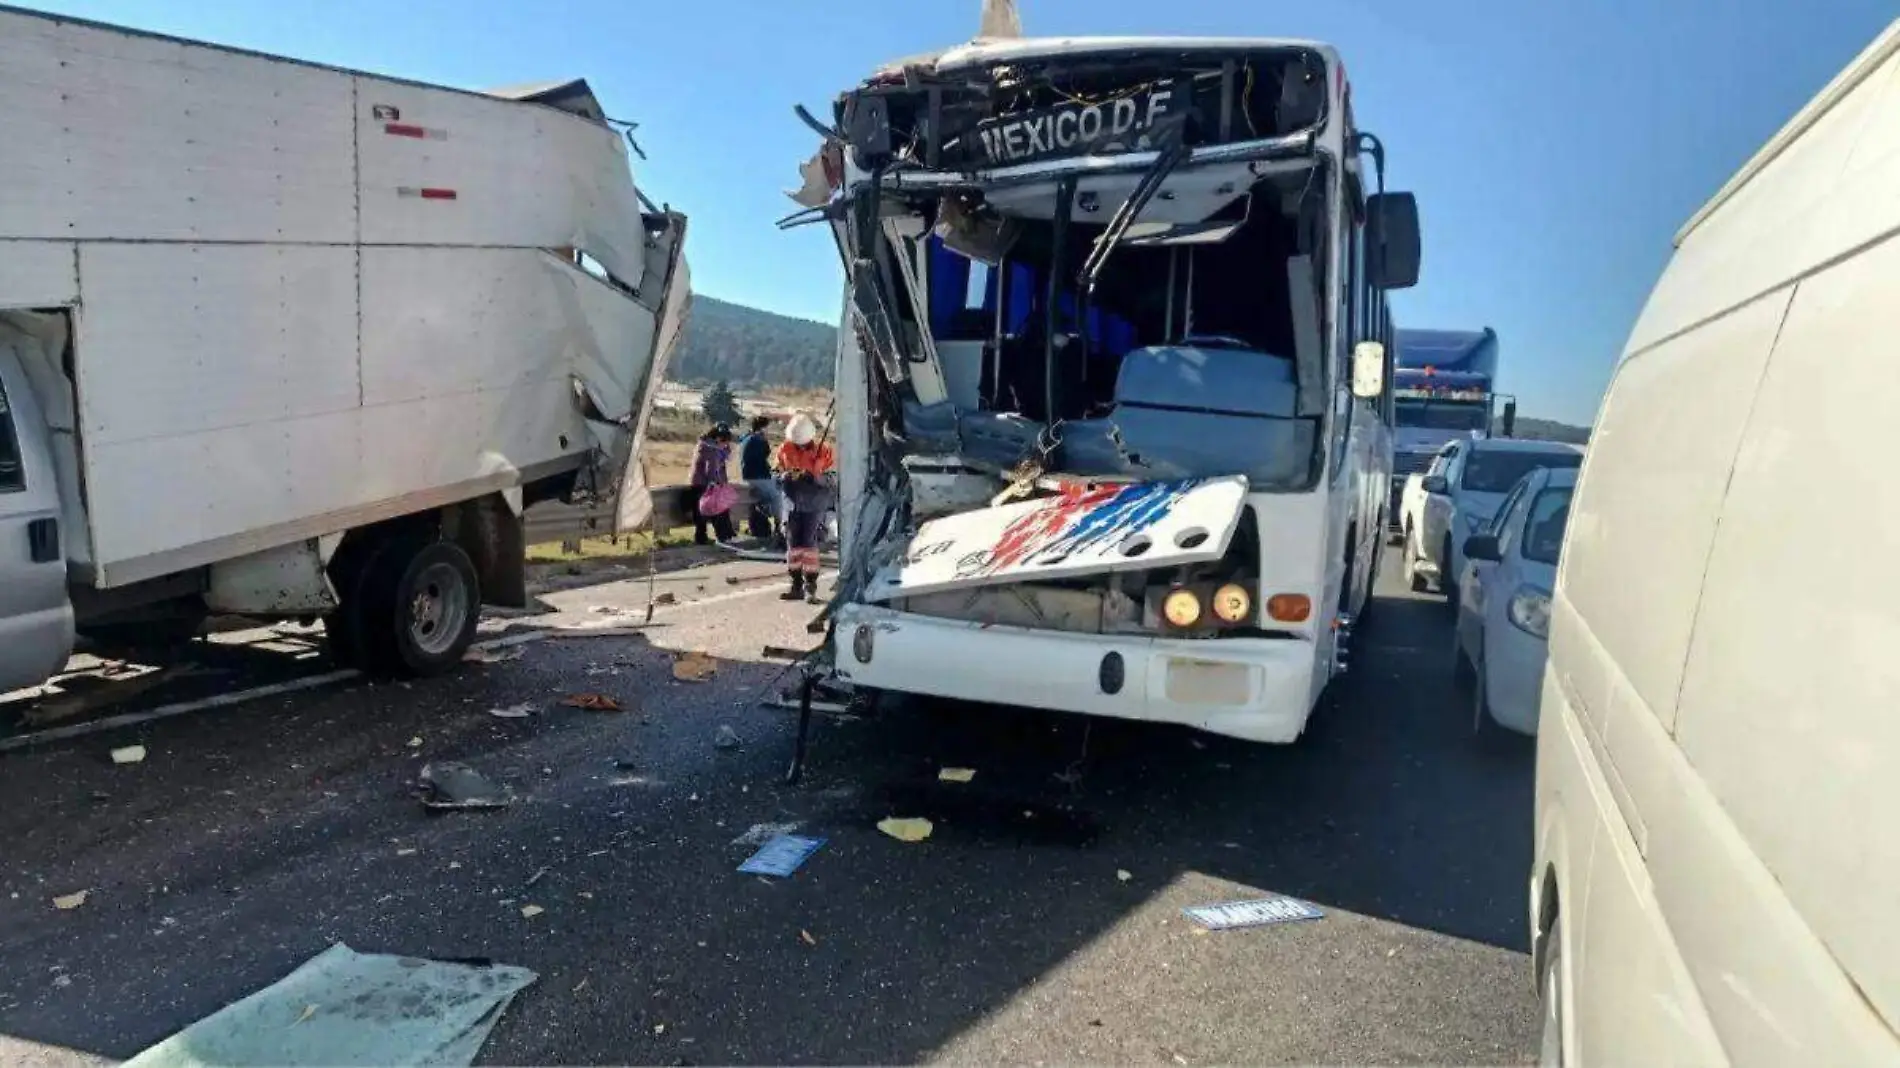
(1554,146)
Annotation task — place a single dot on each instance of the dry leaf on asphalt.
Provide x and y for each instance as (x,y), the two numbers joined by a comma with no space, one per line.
(71,901)
(593,702)
(693,667)
(906,830)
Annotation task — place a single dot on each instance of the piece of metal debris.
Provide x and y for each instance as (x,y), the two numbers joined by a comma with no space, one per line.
(1254,912)
(694,667)
(593,702)
(725,737)
(1123,874)
(520,711)
(955,774)
(449,785)
(529,912)
(130,754)
(781,856)
(760,833)
(914,829)
(68,902)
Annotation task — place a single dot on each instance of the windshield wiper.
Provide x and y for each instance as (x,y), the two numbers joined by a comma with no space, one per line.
(1172,153)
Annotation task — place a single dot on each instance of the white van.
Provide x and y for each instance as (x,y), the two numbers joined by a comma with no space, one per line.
(1717,867)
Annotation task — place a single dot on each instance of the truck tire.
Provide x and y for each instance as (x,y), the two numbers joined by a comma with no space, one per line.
(417,606)
(1447,582)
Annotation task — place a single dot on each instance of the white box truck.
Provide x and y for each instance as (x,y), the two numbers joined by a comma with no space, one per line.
(287,341)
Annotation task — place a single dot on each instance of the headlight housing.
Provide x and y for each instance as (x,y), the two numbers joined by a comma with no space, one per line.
(1232,603)
(1181,607)
(1529,611)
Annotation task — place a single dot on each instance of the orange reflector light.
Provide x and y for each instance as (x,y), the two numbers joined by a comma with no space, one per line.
(1289,607)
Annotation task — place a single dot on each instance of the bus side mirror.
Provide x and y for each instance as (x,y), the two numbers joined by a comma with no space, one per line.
(1392,240)
(1368,370)
(1482,547)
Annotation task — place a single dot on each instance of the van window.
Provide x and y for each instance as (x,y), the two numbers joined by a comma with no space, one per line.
(12,471)
(1495,471)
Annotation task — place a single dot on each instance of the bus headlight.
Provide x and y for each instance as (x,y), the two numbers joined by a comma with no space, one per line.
(1529,611)
(1181,608)
(1232,603)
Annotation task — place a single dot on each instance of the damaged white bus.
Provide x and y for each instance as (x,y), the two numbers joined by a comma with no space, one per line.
(1112,418)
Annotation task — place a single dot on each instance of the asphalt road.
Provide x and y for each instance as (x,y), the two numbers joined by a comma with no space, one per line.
(249,839)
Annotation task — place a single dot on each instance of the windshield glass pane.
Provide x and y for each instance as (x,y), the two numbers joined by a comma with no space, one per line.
(1438,416)
(1495,471)
(1544,529)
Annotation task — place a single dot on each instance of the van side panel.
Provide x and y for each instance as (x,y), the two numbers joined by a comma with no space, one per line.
(1646,508)
(1790,697)
(1823,197)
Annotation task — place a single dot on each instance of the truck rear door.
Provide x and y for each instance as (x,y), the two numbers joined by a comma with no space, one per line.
(668,282)
(36,620)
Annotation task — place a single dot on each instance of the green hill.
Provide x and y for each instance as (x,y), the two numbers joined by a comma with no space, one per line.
(750,348)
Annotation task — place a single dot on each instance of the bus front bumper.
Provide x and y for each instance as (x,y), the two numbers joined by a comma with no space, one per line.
(1255,689)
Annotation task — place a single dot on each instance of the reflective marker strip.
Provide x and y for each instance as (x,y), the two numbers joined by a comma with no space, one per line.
(403,129)
(425,193)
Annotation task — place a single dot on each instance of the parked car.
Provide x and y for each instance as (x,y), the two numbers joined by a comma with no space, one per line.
(1463,497)
(1498,644)
(1718,760)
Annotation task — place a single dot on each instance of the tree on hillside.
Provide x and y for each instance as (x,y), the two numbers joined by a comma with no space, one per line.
(720,405)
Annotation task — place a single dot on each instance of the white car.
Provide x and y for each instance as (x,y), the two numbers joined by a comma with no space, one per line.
(1499,642)
(1466,485)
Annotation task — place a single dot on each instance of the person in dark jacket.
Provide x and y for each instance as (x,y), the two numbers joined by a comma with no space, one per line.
(710,457)
(755,467)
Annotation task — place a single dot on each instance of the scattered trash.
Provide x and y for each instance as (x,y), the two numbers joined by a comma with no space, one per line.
(593,702)
(781,856)
(529,912)
(68,902)
(130,754)
(580,986)
(956,774)
(478,654)
(353,1008)
(450,786)
(454,864)
(694,667)
(611,610)
(405,852)
(535,878)
(659,1029)
(906,830)
(732,580)
(832,708)
(779,652)
(62,981)
(624,763)
(1123,874)
(805,937)
(760,833)
(666,598)
(725,737)
(520,711)
(1251,913)
(416,742)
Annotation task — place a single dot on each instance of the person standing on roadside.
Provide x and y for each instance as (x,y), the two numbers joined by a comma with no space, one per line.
(755,468)
(710,457)
(803,463)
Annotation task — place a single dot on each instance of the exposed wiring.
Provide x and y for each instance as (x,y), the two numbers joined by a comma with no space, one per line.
(626,130)
(1246,102)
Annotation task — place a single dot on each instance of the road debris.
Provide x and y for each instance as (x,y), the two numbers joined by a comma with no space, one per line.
(529,912)
(1254,912)
(779,652)
(416,742)
(694,667)
(410,852)
(68,902)
(781,856)
(344,1007)
(666,598)
(130,754)
(725,737)
(478,654)
(956,774)
(1123,874)
(593,702)
(520,711)
(805,937)
(449,785)
(914,829)
(535,878)
(760,833)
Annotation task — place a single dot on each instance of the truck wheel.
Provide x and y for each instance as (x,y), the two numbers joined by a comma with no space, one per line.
(420,601)
(1447,582)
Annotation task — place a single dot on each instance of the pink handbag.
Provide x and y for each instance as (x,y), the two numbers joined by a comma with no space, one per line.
(718,499)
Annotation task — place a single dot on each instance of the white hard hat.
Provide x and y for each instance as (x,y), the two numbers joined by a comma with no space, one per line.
(801,430)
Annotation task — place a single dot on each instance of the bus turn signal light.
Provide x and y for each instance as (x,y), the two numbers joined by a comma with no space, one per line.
(1289,608)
